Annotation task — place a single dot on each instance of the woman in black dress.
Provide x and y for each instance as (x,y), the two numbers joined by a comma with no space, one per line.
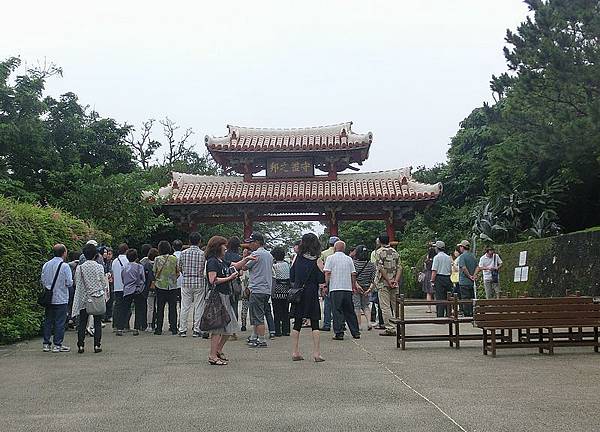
(307,272)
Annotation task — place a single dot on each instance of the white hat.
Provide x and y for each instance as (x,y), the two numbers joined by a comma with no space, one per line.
(440,244)
(92,242)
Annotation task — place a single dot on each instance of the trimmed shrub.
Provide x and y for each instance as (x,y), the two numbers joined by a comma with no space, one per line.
(27,234)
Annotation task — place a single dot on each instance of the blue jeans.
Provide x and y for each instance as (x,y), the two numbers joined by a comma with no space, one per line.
(326,312)
(56,316)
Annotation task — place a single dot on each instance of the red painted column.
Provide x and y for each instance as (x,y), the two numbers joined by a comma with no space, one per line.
(390,227)
(333,224)
(247,225)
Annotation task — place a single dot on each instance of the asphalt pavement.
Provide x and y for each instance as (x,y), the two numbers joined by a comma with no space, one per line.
(164,383)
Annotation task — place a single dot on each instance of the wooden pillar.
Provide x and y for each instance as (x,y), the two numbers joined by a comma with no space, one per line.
(247,225)
(389,225)
(333,224)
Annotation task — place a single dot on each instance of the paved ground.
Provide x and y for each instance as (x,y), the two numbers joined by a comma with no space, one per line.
(163,383)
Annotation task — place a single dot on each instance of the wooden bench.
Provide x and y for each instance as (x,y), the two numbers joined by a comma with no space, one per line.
(543,323)
(452,320)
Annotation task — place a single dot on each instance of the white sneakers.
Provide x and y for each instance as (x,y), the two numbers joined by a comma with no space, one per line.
(60,348)
(46,347)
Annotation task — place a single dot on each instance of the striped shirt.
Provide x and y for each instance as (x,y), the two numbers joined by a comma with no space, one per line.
(365,273)
(191,265)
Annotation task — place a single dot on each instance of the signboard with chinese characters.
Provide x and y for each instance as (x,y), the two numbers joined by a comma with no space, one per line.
(290,167)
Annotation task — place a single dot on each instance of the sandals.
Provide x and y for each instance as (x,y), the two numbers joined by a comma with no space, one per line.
(297,358)
(222,357)
(217,362)
(318,359)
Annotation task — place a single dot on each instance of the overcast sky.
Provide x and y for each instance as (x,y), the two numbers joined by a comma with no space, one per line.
(409,71)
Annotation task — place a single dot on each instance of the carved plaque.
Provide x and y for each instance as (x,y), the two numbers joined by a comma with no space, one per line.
(290,167)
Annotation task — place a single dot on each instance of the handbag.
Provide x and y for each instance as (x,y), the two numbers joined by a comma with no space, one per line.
(295,292)
(45,297)
(495,273)
(421,277)
(215,314)
(94,305)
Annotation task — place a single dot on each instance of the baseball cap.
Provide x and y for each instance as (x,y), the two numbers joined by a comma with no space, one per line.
(92,242)
(333,239)
(464,243)
(440,244)
(255,236)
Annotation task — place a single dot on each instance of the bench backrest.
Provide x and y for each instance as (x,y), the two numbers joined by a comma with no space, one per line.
(528,312)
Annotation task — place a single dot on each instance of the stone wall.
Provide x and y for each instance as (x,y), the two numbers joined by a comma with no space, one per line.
(570,261)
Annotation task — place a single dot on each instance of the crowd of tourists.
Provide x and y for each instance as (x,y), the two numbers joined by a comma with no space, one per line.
(339,288)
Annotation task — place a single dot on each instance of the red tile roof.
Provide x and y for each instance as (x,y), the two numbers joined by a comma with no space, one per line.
(390,186)
(258,140)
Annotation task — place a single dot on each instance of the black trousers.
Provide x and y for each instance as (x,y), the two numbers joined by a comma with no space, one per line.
(281,315)
(83,319)
(109,304)
(163,297)
(139,303)
(442,286)
(343,310)
(375,309)
(467,293)
(117,308)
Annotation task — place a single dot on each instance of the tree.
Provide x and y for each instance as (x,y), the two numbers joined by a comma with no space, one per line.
(550,118)
(177,148)
(143,146)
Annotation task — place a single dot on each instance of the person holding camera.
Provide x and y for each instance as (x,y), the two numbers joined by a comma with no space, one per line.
(219,278)
(490,264)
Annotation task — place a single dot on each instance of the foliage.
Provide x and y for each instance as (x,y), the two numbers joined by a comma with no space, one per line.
(27,234)
(361,232)
(114,203)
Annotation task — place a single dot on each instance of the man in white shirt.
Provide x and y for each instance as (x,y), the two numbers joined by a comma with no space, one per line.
(118,264)
(490,264)
(56,276)
(441,269)
(340,278)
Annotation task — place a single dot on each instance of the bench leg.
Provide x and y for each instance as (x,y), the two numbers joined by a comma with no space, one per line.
(551,341)
(493,334)
(450,335)
(397,335)
(403,334)
(484,341)
(541,340)
(596,339)
(457,334)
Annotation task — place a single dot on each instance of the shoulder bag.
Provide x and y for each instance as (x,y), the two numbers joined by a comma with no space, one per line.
(295,292)
(215,315)
(45,297)
(495,275)
(94,305)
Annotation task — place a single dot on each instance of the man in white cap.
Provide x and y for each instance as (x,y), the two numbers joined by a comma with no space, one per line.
(441,270)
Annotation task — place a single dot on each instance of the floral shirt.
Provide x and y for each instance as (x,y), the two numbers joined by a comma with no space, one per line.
(165,272)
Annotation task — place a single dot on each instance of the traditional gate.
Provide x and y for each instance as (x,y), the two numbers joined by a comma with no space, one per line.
(294,175)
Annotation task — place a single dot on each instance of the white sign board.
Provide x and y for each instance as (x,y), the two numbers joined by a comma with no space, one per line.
(517,274)
(524,273)
(523,258)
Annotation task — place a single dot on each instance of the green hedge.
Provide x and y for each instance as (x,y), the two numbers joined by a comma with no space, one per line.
(27,234)
(570,261)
